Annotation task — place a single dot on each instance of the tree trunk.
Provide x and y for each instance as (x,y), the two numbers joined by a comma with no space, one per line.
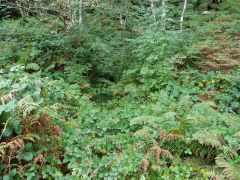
(80,20)
(163,14)
(182,16)
(123,25)
(152,9)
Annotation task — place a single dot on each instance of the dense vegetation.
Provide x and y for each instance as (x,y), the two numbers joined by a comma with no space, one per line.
(119,89)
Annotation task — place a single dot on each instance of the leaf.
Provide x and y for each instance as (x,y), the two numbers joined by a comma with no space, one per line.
(2,107)
(28,156)
(19,129)
(39,101)
(37,91)
(28,146)
(33,66)
(11,105)
(7,132)
(6,177)
(142,120)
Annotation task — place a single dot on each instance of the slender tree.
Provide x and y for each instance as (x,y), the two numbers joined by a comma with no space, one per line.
(163,14)
(80,20)
(182,16)
(123,25)
(153,9)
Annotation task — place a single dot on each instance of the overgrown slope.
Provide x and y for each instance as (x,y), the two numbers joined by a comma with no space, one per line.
(97,102)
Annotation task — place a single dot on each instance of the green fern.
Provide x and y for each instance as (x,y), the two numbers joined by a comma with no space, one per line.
(231,120)
(203,115)
(203,152)
(143,120)
(183,105)
(33,66)
(145,131)
(27,105)
(14,121)
(208,138)
(229,171)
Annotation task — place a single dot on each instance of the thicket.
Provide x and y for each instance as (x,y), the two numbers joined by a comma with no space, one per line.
(119,90)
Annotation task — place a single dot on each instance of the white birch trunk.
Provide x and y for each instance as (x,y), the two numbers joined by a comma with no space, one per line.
(182,16)
(73,17)
(71,14)
(80,20)
(152,9)
(123,25)
(163,14)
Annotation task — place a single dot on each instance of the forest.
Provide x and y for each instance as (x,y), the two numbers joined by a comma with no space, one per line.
(120,89)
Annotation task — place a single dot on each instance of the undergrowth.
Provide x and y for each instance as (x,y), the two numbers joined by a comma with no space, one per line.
(94,103)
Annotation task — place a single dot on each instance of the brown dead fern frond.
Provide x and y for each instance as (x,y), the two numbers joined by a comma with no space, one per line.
(7,97)
(57,131)
(171,137)
(14,145)
(167,153)
(163,136)
(145,164)
(160,151)
(40,158)
(9,151)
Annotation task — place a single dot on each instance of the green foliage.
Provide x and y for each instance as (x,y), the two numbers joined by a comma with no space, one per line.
(32,41)
(224,89)
(24,101)
(118,96)
(157,53)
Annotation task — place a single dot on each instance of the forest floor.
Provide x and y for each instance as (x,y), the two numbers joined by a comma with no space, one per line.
(58,125)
